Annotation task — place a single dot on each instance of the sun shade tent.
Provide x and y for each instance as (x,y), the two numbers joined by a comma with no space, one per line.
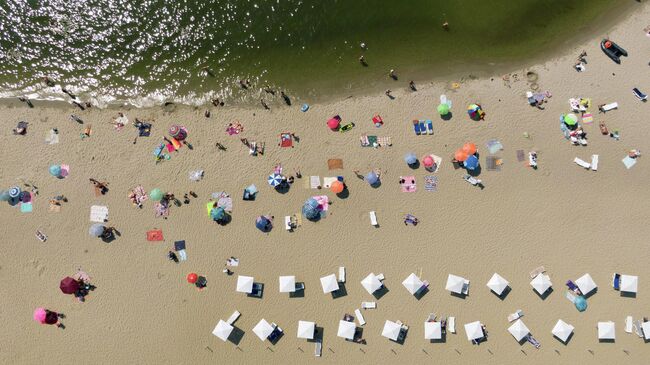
(391,330)
(371,283)
(245,284)
(497,284)
(222,330)
(287,284)
(346,329)
(455,284)
(541,283)
(518,330)
(306,329)
(432,330)
(329,283)
(606,331)
(412,283)
(474,331)
(263,329)
(562,330)
(629,283)
(586,284)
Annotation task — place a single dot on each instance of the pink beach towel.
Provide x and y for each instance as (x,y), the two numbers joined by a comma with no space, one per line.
(65,170)
(408,186)
(323,202)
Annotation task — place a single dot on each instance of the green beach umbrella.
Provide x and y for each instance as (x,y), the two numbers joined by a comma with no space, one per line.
(156,194)
(570,119)
(443,109)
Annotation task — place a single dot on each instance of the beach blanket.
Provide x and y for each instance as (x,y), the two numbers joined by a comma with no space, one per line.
(335,164)
(286,140)
(26,207)
(587,118)
(139,195)
(384,141)
(161,209)
(408,186)
(368,141)
(234,128)
(98,213)
(155,235)
(144,129)
(493,163)
(520,156)
(431,183)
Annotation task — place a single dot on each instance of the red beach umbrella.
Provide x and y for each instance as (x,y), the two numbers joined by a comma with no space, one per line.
(69,285)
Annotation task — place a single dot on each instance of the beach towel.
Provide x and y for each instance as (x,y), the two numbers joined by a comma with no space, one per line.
(520,156)
(587,118)
(408,186)
(629,162)
(26,207)
(65,170)
(286,140)
(493,163)
(364,141)
(52,137)
(327,181)
(494,146)
(144,129)
(179,246)
(155,235)
(384,141)
(431,183)
(335,164)
(98,213)
(161,210)
(139,195)
(314,182)
(223,200)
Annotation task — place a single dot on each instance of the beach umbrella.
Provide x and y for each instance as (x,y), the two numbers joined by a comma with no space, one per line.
(443,109)
(460,155)
(645,327)
(471,163)
(371,283)
(14,192)
(410,158)
(413,283)
(287,284)
(96,230)
(308,209)
(629,283)
(263,329)
(391,330)
(337,187)
(606,331)
(222,330)
(570,119)
(4,195)
(155,194)
(329,283)
(178,132)
(455,284)
(192,278)
(372,178)
(263,223)
(474,331)
(306,330)
(274,179)
(217,213)
(333,123)
(25,196)
(562,330)
(245,284)
(432,330)
(518,330)
(473,110)
(428,161)
(69,285)
(55,170)
(346,329)
(40,314)
(586,284)
(497,284)
(541,283)
(469,148)
(580,303)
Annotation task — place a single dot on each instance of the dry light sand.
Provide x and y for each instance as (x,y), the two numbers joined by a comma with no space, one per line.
(568,219)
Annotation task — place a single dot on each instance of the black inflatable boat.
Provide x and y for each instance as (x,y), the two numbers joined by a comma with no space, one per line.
(613,50)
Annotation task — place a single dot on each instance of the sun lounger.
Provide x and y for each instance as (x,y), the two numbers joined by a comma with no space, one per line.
(639,94)
(384,141)
(616,281)
(41,236)
(314,182)
(582,163)
(360,318)
(429,126)
(416,127)
(533,341)
(472,180)
(233,317)
(451,324)
(369,305)
(637,328)
(516,315)
(607,107)
(341,274)
(373,218)
(594,162)
(628,324)
(318,348)
(287,223)
(98,213)
(465,290)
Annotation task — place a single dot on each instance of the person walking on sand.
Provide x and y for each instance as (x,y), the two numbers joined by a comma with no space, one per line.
(392,74)
(412,86)
(285,98)
(362,61)
(46,316)
(264,104)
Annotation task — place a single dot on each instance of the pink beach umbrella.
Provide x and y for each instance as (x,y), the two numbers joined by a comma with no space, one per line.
(39,315)
(428,161)
(334,123)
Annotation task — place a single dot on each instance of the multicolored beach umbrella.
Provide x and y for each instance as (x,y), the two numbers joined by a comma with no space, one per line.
(275,180)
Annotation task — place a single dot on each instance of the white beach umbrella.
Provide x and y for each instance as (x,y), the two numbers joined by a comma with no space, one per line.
(371,283)
(329,283)
(606,330)
(287,284)
(412,283)
(586,284)
(432,330)
(346,329)
(645,327)
(263,329)
(562,330)
(541,283)
(222,330)
(391,330)
(474,330)
(306,329)
(518,330)
(497,284)
(455,284)
(245,284)
(629,283)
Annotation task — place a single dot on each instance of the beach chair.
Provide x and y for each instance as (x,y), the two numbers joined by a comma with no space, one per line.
(318,348)
(515,316)
(573,287)
(429,126)
(257,290)
(594,162)
(616,281)
(465,290)
(369,305)
(179,246)
(360,318)
(373,219)
(628,324)
(341,274)
(582,163)
(607,107)
(451,324)
(641,96)
(416,127)
(98,213)
(233,317)
(533,341)
(537,271)
(287,223)
(637,328)
(423,128)
(300,286)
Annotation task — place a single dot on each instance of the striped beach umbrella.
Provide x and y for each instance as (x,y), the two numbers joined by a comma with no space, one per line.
(275,180)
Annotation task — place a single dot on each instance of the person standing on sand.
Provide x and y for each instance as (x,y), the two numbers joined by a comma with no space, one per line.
(392,74)
(264,104)
(412,86)
(362,61)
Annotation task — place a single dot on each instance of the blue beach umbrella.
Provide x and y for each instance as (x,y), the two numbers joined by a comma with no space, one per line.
(581,304)
(310,209)
(96,230)
(14,192)
(410,158)
(372,178)
(55,170)
(217,213)
(275,180)
(471,163)
(263,224)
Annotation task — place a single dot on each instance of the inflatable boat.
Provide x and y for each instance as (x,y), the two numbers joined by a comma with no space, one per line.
(613,50)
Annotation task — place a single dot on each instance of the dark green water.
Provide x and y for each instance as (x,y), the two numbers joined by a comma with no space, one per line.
(155,50)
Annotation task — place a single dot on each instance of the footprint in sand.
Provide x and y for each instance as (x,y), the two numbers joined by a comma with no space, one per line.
(40,269)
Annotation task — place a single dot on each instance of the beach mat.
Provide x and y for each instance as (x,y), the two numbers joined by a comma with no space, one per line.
(431,183)
(335,164)
(155,235)
(408,186)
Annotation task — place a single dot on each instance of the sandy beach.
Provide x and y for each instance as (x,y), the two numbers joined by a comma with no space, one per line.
(568,219)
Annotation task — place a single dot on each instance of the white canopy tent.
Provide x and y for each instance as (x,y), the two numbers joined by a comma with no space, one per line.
(586,284)
(518,330)
(329,283)
(541,283)
(263,329)
(222,330)
(562,330)
(306,329)
(455,284)
(629,283)
(474,330)
(391,330)
(432,330)
(346,329)
(371,283)
(245,284)
(497,284)
(606,330)
(412,283)
(287,284)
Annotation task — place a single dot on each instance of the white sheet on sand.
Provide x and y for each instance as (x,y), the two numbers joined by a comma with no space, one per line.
(314,182)
(327,181)
(98,213)
(582,163)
